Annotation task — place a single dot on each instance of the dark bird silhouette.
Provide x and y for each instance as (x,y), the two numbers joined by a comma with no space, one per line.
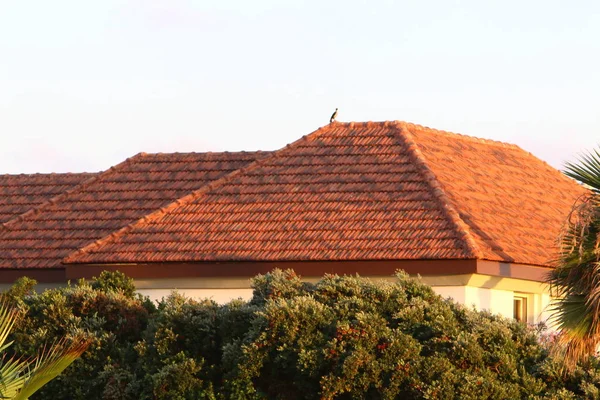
(333,116)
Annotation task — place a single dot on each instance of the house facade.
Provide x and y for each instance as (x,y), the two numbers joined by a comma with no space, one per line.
(476,219)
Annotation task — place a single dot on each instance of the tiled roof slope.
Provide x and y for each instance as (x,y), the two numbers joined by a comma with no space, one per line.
(346,192)
(513,203)
(41,238)
(21,193)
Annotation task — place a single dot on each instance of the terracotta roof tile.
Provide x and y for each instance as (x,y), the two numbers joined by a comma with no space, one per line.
(356,191)
(513,203)
(43,236)
(346,192)
(21,193)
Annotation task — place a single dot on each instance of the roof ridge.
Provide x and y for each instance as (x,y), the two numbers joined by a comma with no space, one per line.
(192,196)
(47,174)
(437,190)
(208,153)
(66,193)
(410,125)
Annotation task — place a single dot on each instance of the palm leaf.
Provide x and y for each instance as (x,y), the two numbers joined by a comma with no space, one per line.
(12,377)
(586,170)
(12,370)
(21,378)
(49,365)
(576,279)
(8,317)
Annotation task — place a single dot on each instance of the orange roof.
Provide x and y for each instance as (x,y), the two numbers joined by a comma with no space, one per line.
(43,236)
(513,204)
(361,191)
(21,193)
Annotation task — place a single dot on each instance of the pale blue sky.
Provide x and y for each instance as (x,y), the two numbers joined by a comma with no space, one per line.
(85,84)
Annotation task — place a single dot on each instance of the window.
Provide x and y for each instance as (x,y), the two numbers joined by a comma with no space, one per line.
(520,308)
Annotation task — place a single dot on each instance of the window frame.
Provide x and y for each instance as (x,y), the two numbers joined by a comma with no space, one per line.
(520,307)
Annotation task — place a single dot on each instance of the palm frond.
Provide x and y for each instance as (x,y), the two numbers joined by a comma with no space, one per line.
(12,370)
(12,377)
(586,170)
(8,317)
(20,378)
(50,364)
(575,282)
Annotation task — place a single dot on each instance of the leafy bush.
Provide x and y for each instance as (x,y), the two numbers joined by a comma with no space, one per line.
(112,321)
(348,337)
(341,338)
(115,282)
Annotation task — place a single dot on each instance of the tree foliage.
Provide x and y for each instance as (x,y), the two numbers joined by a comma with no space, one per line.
(574,282)
(339,338)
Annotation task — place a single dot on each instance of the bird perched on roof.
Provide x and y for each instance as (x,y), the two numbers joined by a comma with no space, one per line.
(333,116)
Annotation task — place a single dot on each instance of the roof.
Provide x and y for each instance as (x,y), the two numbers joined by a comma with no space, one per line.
(43,236)
(21,193)
(361,191)
(514,204)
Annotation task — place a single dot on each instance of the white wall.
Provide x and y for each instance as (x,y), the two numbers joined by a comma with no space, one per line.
(497,301)
(543,308)
(464,290)
(221,296)
(40,287)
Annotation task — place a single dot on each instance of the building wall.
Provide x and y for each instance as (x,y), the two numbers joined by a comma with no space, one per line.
(221,296)
(543,307)
(498,301)
(482,292)
(469,290)
(494,300)
(40,287)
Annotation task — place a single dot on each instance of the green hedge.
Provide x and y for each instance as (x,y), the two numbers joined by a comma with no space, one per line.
(341,338)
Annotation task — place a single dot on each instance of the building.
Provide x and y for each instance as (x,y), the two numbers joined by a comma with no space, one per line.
(477,219)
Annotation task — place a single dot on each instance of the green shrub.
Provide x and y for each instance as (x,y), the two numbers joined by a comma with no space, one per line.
(115,282)
(113,321)
(340,338)
(348,337)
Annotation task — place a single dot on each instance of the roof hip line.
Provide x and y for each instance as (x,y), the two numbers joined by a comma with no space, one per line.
(436,189)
